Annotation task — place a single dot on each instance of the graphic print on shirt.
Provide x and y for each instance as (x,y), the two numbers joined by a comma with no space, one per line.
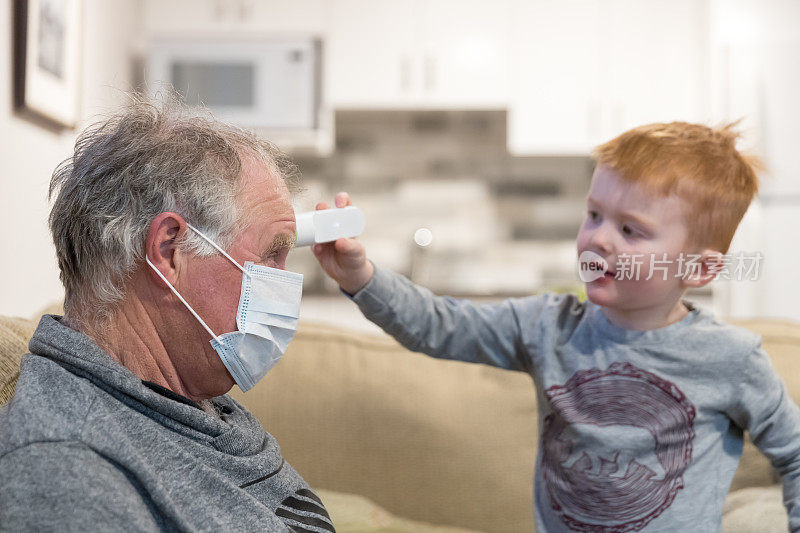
(615,447)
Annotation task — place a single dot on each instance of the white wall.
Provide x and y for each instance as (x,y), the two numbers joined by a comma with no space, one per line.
(29,152)
(756,44)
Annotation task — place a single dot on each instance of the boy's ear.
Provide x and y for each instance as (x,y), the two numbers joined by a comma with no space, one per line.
(702,269)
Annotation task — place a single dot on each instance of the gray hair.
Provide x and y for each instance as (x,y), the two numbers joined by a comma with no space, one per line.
(150,157)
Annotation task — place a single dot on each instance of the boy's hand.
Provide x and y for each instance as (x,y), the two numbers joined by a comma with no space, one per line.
(344,260)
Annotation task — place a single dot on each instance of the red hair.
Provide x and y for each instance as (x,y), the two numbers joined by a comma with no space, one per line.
(699,164)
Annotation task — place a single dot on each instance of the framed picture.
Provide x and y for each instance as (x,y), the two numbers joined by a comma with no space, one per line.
(47,45)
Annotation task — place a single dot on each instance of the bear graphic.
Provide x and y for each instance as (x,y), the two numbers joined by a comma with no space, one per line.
(610,450)
(615,447)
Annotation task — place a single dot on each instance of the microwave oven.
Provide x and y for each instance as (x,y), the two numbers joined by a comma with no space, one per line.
(269,85)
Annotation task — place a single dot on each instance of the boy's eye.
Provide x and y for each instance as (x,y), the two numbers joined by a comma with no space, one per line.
(593,215)
(627,231)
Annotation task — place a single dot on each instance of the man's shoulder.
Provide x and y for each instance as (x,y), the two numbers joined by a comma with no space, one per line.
(49,404)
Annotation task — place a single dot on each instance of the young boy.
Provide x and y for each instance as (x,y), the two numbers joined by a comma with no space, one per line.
(643,398)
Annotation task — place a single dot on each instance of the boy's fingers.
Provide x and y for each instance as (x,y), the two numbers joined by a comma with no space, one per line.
(342,199)
(345,245)
(322,205)
(326,247)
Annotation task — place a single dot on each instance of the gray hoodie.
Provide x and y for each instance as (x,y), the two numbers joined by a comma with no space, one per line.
(86,445)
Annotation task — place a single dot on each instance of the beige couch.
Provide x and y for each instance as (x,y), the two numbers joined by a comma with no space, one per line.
(383,433)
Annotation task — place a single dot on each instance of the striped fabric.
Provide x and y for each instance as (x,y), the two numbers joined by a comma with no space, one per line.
(304,512)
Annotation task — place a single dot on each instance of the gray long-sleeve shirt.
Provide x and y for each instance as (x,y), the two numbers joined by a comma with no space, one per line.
(639,430)
(85,445)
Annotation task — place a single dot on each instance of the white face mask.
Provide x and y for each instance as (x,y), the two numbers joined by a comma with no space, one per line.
(269,306)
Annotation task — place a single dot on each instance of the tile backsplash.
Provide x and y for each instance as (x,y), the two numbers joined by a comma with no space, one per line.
(501,224)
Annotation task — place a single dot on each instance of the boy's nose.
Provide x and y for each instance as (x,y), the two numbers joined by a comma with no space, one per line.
(601,240)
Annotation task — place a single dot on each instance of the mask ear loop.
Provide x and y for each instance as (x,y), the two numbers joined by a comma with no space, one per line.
(220,250)
(189,307)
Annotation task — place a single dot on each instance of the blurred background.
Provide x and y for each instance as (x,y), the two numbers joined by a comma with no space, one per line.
(462,128)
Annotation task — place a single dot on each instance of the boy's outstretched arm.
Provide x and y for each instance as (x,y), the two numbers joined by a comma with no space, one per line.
(763,408)
(440,326)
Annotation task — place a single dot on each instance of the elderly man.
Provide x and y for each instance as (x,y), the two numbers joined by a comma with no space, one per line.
(171,232)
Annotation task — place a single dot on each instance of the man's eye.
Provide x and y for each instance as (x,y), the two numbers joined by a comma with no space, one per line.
(276,256)
(269,257)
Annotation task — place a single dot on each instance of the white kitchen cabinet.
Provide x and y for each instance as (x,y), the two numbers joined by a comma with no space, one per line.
(466,53)
(418,54)
(371,53)
(241,17)
(587,70)
(655,62)
(556,86)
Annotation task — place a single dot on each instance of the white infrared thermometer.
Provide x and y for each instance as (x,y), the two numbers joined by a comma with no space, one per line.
(327,225)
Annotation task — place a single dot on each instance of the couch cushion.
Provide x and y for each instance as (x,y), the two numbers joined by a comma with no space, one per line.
(755,510)
(437,441)
(14,335)
(444,442)
(352,513)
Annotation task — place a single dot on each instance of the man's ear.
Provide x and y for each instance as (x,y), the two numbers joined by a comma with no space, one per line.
(702,268)
(160,245)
